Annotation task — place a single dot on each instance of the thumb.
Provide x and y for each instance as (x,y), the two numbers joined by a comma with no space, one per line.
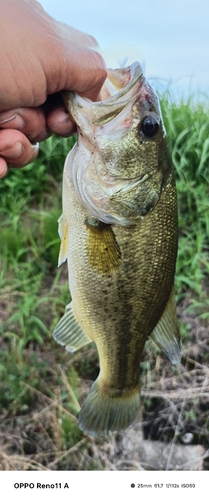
(77,69)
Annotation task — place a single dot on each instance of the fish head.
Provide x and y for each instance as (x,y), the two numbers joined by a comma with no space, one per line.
(122,160)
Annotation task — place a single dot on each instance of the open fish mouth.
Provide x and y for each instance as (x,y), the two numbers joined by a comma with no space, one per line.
(115,92)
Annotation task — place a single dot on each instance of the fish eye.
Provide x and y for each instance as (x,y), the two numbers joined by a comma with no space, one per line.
(149,126)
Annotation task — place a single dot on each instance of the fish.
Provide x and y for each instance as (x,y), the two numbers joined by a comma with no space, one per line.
(118,233)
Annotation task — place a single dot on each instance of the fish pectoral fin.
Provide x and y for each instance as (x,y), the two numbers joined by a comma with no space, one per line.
(69,332)
(63,234)
(104,254)
(166,332)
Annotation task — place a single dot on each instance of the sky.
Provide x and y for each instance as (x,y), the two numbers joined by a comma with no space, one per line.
(169,37)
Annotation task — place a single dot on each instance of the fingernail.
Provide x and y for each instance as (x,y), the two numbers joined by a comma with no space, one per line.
(13,152)
(5,117)
(35,148)
(15,119)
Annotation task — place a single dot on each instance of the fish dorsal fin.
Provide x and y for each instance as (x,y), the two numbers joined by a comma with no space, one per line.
(166,332)
(63,234)
(103,251)
(68,331)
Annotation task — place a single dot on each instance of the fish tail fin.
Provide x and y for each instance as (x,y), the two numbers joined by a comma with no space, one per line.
(104,411)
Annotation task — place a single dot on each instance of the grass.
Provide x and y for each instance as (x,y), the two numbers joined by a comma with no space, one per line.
(188,132)
(42,386)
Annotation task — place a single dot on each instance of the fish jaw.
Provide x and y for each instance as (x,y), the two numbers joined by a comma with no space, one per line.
(117,172)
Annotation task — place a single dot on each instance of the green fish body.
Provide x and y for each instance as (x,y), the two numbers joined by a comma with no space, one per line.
(119,236)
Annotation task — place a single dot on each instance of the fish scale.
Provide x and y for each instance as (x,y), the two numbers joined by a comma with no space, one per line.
(121,274)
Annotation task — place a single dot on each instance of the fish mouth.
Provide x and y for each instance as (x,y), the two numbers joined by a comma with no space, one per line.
(118,84)
(120,81)
(119,89)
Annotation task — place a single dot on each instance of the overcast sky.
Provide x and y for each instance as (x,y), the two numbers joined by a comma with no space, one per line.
(170,37)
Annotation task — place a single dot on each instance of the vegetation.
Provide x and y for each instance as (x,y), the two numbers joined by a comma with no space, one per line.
(42,386)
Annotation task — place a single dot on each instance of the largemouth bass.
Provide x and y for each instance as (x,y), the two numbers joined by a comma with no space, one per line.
(119,235)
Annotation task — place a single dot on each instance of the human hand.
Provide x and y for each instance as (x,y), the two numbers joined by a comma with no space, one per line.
(40,57)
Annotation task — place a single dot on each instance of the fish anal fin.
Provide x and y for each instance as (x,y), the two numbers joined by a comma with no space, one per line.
(69,332)
(63,233)
(103,251)
(166,332)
